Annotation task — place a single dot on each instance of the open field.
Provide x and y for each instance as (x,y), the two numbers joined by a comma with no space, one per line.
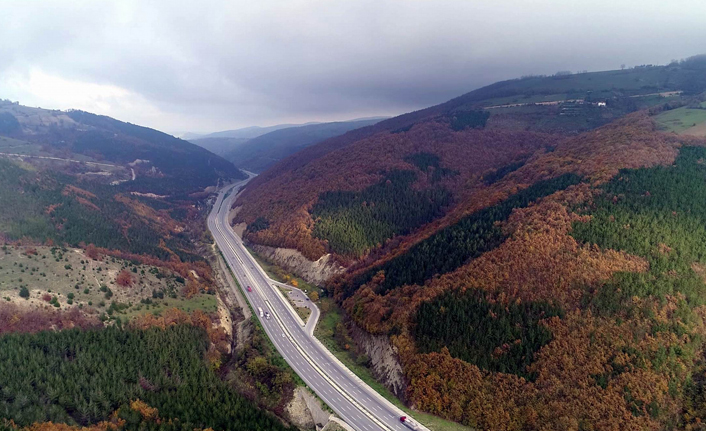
(204,302)
(16,146)
(680,120)
(10,145)
(601,84)
(64,278)
(654,99)
(36,157)
(698,130)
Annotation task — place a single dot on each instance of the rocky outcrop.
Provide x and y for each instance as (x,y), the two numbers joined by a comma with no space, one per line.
(384,360)
(299,413)
(315,272)
(234,311)
(305,410)
(239,229)
(231,215)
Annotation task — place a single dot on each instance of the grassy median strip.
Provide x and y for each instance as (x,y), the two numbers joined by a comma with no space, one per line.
(303,312)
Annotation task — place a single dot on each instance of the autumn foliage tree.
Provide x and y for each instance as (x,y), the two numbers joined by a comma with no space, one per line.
(620,256)
(124,278)
(14,319)
(285,200)
(93,252)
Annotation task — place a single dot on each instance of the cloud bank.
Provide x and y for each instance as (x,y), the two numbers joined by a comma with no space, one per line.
(213,65)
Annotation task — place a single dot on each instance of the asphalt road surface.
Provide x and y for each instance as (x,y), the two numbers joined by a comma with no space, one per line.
(354,401)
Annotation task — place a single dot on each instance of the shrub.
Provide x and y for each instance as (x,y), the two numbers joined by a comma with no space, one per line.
(124,278)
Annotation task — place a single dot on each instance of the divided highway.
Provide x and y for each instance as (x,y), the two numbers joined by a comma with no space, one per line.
(354,401)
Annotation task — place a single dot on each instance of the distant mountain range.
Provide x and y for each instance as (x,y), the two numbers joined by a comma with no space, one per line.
(257,148)
(244,133)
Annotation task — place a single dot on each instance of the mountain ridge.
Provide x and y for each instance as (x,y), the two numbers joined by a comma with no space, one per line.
(156,157)
(260,151)
(689,76)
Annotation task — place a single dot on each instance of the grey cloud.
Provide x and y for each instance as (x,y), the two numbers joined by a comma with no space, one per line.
(221,64)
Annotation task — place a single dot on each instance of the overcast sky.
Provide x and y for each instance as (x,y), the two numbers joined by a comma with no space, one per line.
(205,65)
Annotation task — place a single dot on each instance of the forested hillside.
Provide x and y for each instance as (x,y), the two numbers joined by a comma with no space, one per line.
(257,148)
(109,303)
(224,142)
(163,165)
(149,379)
(592,296)
(554,107)
(220,146)
(72,178)
(538,239)
(351,226)
(47,206)
(463,158)
(470,237)
(621,88)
